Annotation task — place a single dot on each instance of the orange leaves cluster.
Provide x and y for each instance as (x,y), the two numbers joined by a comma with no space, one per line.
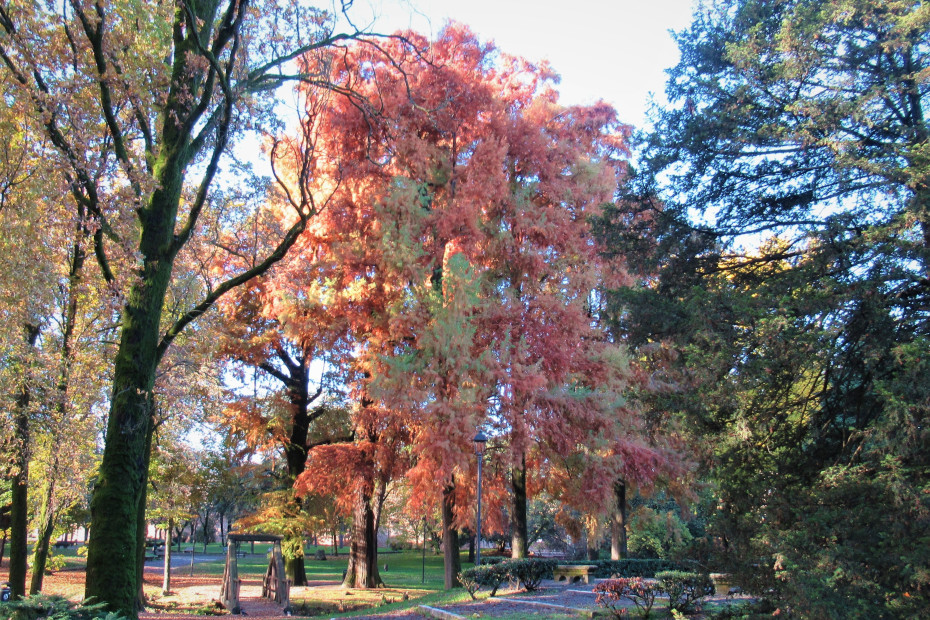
(455,266)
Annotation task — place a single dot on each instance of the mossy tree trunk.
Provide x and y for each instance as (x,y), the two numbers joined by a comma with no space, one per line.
(297,382)
(47,510)
(45,531)
(117,541)
(19,481)
(141,521)
(362,571)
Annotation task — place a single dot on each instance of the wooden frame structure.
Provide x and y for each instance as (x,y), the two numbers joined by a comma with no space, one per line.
(275,585)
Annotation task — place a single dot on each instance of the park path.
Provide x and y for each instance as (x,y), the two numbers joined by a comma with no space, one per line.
(252,603)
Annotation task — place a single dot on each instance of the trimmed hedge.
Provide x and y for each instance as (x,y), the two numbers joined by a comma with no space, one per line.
(631,567)
(529,572)
(489,576)
(684,588)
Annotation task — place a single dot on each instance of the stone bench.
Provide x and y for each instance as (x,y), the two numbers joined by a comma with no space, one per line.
(573,573)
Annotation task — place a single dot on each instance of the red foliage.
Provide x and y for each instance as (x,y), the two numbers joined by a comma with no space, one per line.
(454,264)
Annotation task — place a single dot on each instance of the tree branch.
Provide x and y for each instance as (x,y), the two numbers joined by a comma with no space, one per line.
(289,239)
(94,34)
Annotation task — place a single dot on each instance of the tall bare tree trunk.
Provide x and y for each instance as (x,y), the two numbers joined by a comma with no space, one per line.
(618,549)
(452,560)
(46,528)
(363,554)
(166,580)
(519,543)
(117,535)
(47,510)
(19,512)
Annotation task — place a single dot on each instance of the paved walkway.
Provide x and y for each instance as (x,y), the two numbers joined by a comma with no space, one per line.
(180,560)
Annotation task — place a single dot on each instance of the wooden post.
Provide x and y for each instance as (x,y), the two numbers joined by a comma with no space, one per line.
(229,592)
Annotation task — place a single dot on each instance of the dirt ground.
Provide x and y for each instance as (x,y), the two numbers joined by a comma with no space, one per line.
(190,594)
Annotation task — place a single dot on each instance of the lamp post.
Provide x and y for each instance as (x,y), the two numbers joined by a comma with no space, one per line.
(424,551)
(480,441)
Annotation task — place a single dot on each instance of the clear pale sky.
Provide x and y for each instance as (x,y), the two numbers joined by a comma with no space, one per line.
(616,50)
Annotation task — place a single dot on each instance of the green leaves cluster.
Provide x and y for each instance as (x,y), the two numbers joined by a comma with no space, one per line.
(54,608)
(684,588)
(527,571)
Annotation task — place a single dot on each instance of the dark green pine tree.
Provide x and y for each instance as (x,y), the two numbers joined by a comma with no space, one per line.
(780,223)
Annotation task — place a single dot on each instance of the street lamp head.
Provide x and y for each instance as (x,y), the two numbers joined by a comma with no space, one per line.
(480,441)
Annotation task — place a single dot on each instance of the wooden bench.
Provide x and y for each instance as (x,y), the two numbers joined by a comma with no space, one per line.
(573,573)
(154,550)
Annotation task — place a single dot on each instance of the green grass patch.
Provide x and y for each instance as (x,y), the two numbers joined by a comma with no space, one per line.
(433,599)
(403,575)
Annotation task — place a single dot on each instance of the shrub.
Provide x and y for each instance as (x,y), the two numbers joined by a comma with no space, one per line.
(529,571)
(54,563)
(684,588)
(657,534)
(54,608)
(631,567)
(494,559)
(610,592)
(750,610)
(484,576)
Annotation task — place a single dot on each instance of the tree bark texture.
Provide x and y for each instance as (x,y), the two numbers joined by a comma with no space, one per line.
(166,578)
(295,452)
(141,522)
(114,548)
(19,509)
(47,510)
(46,528)
(452,560)
(519,543)
(363,551)
(618,550)
(296,570)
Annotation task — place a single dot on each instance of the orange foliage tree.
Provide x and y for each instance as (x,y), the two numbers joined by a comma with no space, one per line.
(456,262)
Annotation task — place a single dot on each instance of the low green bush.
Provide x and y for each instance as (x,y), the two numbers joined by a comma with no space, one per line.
(631,567)
(54,608)
(530,571)
(494,559)
(760,609)
(684,588)
(489,576)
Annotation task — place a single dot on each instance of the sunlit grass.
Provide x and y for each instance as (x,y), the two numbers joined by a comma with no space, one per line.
(410,579)
(373,601)
(406,575)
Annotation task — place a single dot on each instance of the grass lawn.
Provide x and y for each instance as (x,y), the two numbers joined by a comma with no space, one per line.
(403,574)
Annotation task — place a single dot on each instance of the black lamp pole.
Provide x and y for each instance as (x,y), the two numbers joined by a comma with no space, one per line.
(480,441)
